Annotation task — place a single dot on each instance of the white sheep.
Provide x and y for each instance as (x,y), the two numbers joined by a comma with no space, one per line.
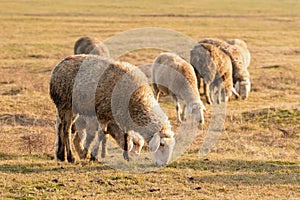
(173,75)
(240,74)
(142,115)
(215,67)
(61,91)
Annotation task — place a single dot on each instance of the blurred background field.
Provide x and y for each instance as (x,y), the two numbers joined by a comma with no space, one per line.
(257,155)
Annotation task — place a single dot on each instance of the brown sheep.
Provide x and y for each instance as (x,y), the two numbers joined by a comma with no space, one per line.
(240,74)
(146,116)
(173,75)
(61,91)
(215,67)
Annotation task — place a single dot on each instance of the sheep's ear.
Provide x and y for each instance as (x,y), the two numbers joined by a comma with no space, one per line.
(154,143)
(130,144)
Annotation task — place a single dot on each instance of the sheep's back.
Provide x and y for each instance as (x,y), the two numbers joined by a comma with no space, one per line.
(202,62)
(183,77)
(88,45)
(121,82)
(62,81)
(235,54)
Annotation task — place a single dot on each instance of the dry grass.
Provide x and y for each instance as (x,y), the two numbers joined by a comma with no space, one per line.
(257,156)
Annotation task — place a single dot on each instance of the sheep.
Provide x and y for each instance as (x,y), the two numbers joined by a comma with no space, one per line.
(61,91)
(173,75)
(215,67)
(244,49)
(88,45)
(147,118)
(240,74)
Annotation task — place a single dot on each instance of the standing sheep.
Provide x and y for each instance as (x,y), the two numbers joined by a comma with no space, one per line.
(173,75)
(146,116)
(240,73)
(215,67)
(61,91)
(88,45)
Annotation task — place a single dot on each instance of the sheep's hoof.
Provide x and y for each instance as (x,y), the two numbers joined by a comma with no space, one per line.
(60,156)
(93,158)
(71,159)
(126,156)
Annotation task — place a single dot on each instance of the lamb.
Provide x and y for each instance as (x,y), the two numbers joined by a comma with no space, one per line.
(173,75)
(240,74)
(215,67)
(61,91)
(111,92)
(88,45)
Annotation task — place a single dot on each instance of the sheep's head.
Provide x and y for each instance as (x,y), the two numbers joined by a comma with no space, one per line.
(243,88)
(196,110)
(162,145)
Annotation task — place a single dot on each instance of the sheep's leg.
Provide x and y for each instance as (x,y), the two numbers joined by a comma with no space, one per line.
(91,130)
(105,136)
(218,83)
(60,143)
(207,93)
(198,80)
(183,113)
(95,149)
(78,143)
(178,110)
(156,91)
(67,135)
(125,152)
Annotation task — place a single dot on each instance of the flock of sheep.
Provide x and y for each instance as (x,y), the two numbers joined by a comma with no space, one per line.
(97,96)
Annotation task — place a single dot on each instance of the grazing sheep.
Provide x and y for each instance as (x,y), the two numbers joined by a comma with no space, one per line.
(215,67)
(244,49)
(173,75)
(88,45)
(61,92)
(123,96)
(240,74)
(146,116)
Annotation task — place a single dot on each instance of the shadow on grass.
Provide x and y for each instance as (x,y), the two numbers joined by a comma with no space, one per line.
(236,165)
(235,172)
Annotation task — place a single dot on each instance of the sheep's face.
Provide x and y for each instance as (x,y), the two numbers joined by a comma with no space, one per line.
(161,149)
(243,88)
(196,110)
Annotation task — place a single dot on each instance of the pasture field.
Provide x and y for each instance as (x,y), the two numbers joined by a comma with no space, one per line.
(258,153)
